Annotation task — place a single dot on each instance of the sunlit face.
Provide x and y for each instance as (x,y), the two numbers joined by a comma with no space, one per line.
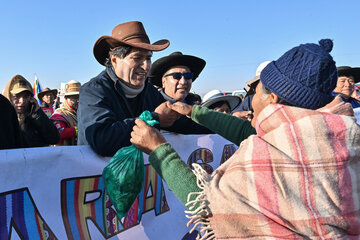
(345,85)
(134,68)
(259,102)
(48,98)
(223,108)
(21,101)
(73,101)
(177,89)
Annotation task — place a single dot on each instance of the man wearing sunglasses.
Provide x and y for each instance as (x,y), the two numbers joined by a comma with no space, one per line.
(174,75)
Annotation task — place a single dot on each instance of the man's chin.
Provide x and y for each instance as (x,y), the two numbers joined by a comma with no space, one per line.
(138,84)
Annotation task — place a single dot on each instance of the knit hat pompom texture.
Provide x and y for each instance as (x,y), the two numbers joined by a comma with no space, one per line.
(304,76)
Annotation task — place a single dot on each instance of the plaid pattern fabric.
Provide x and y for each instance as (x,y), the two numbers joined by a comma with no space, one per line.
(298,178)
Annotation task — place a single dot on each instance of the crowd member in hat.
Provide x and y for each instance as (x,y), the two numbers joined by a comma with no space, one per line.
(174,75)
(10,136)
(110,102)
(347,77)
(36,127)
(244,110)
(296,178)
(47,97)
(65,117)
(220,102)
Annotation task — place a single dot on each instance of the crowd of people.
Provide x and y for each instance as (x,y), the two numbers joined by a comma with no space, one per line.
(295,172)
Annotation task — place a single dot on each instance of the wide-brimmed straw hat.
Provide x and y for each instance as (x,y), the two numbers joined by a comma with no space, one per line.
(72,88)
(349,71)
(162,65)
(126,34)
(216,95)
(45,91)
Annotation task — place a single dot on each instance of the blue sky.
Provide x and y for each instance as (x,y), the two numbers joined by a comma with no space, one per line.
(54,39)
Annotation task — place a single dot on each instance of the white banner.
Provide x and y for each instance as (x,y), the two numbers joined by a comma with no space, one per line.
(58,193)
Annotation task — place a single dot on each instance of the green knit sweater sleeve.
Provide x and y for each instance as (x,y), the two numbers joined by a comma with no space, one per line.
(177,175)
(230,127)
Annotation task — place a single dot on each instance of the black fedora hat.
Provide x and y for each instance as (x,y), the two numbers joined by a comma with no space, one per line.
(162,65)
(349,71)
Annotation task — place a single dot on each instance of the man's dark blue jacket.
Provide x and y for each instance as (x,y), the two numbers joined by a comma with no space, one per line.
(106,117)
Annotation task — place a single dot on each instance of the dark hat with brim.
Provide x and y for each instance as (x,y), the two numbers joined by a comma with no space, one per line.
(126,34)
(215,96)
(162,65)
(45,91)
(349,71)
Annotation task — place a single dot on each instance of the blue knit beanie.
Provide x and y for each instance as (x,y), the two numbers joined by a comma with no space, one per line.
(304,76)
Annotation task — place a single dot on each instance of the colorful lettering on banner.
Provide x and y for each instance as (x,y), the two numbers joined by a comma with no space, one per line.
(18,211)
(76,210)
(203,154)
(229,150)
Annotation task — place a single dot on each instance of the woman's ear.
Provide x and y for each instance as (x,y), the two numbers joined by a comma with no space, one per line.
(273,98)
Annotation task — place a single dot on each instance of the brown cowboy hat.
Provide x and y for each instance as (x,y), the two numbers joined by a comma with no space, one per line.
(126,34)
(47,90)
(349,71)
(162,65)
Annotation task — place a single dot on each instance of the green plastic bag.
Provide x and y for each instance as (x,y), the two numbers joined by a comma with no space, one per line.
(124,174)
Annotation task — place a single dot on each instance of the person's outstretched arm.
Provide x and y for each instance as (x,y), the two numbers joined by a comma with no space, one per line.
(230,127)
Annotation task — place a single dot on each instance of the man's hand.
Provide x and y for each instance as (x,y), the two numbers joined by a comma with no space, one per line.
(181,108)
(35,105)
(166,116)
(146,138)
(247,115)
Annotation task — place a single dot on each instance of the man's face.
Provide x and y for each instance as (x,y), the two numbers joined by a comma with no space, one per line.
(345,85)
(259,102)
(21,101)
(48,98)
(73,101)
(177,88)
(223,108)
(134,68)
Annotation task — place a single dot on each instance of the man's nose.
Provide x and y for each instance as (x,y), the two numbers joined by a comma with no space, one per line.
(347,83)
(182,80)
(21,100)
(146,64)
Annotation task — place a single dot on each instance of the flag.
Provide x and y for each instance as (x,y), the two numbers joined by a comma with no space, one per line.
(36,89)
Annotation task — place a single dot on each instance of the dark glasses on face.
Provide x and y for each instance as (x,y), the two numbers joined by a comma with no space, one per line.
(178,75)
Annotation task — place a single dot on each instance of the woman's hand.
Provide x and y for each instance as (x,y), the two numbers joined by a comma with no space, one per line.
(146,138)
(181,108)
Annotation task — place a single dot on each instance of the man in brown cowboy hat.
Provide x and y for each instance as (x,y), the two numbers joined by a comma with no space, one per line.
(347,77)
(47,97)
(36,127)
(110,102)
(65,117)
(174,75)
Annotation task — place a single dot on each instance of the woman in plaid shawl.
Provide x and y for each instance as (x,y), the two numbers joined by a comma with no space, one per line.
(298,177)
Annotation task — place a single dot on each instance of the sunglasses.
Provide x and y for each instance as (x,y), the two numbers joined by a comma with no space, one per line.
(178,75)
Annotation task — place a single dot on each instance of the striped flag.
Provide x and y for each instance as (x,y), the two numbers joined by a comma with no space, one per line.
(36,89)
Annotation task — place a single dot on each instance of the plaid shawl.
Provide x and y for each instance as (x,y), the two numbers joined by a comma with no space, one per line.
(67,113)
(297,178)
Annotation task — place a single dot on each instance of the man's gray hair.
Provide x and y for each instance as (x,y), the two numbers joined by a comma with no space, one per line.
(120,52)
